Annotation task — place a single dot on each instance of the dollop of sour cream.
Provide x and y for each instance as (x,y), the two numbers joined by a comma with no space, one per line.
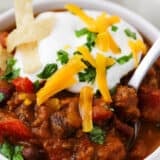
(63,34)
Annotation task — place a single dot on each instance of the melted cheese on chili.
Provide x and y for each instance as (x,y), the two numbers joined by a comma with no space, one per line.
(63,34)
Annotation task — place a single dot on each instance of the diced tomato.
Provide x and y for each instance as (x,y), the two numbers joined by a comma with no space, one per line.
(23,85)
(3,36)
(100,113)
(15,128)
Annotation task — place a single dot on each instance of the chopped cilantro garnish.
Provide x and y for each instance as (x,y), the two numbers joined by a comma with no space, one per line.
(114,28)
(36,85)
(10,72)
(91,38)
(48,71)
(97,135)
(81,32)
(124,59)
(11,152)
(2,96)
(17,153)
(88,75)
(62,56)
(131,34)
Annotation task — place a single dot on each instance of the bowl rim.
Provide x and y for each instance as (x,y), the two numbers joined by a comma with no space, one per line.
(149,31)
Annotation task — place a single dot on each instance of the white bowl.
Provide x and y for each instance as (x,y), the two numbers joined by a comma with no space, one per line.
(148,31)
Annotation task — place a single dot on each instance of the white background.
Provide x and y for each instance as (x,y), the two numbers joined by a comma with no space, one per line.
(150,9)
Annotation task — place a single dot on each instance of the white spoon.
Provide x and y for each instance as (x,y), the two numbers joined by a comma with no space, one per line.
(144,66)
(136,80)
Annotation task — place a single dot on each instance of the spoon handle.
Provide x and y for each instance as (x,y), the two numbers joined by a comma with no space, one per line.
(144,66)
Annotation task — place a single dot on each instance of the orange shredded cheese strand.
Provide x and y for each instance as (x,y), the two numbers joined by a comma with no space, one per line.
(136,47)
(85,108)
(113,45)
(105,42)
(101,64)
(99,25)
(80,13)
(102,41)
(103,21)
(59,81)
(87,55)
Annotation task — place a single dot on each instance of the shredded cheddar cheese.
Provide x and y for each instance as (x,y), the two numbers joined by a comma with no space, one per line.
(101,64)
(102,41)
(59,80)
(86,55)
(105,42)
(85,108)
(79,12)
(137,47)
(99,25)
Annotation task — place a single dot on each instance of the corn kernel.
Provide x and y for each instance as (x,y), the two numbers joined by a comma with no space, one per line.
(22,96)
(27,102)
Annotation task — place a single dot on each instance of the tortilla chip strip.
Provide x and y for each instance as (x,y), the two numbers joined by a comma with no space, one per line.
(23,12)
(31,32)
(27,51)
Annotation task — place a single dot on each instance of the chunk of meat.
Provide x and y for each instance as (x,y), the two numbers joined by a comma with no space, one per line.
(10,126)
(150,104)
(123,128)
(151,79)
(33,153)
(22,105)
(126,102)
(3,36)
(83,149)
(139,151)
(65,121)
(59,149)
(112,149)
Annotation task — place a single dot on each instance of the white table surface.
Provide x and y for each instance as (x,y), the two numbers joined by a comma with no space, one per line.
(150,9)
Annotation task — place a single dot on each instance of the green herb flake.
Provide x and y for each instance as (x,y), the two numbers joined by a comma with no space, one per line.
(18,153)
(11,152)
(36,85)
(88,75)
(7,150)
(97,135)
(48,71)
(10,72)
(2,96)
(81,32)
(124,59)
(131,34)
(91,38)
(62,56)
(114,28)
